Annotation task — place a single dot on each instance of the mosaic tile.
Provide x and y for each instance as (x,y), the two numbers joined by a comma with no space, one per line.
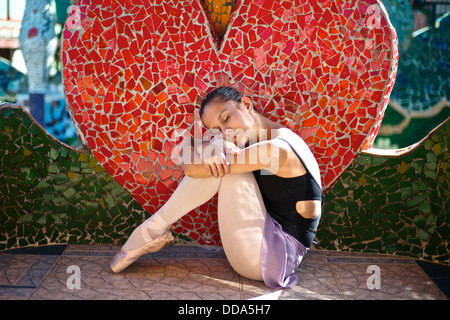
(420,98)
(402,18)
(396,204)
(219,12)
(423,87)
(135,72)
(14,81)
(57,194)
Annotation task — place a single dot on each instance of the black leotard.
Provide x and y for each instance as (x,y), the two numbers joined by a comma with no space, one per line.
(280,197)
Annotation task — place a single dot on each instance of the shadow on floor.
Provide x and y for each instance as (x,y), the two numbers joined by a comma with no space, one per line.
(203,273)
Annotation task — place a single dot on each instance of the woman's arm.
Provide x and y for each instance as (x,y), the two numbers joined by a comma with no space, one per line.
(271,155)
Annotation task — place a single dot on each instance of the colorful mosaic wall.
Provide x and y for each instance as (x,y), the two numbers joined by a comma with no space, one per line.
(134,71)
(397,203)
(401,16)
(219,12)
(420,99)
(50,193)
(423,82)
(12,81)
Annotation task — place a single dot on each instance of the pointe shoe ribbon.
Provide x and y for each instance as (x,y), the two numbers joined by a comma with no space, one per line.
(123,259)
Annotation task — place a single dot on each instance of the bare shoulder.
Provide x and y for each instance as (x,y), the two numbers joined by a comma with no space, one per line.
(299,149)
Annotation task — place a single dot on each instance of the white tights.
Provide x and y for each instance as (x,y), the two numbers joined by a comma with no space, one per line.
(241,215)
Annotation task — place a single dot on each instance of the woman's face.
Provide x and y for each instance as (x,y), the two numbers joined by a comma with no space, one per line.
(233,119)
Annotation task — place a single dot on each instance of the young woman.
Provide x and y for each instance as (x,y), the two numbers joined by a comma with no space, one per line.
(269,193)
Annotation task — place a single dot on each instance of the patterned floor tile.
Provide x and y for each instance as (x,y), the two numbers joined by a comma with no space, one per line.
(316,282)
(169,274)
(21,274)
(197,273)
(397,282)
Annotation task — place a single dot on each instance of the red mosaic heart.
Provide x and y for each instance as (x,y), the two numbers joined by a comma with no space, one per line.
(134,72)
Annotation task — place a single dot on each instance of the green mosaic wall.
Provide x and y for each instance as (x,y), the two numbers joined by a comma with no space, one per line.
(396,204)
(51,193)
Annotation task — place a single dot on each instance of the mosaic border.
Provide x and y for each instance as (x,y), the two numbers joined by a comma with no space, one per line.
(51,193)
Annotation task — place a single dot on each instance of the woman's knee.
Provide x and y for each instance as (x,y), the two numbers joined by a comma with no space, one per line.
(243,178)
(247,265)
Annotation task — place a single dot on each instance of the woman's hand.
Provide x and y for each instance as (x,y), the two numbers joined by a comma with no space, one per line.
(217,165)
(214,156)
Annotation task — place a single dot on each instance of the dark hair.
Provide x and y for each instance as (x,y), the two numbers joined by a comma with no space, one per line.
(222,94)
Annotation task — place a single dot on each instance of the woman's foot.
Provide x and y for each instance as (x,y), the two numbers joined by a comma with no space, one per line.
(125,258)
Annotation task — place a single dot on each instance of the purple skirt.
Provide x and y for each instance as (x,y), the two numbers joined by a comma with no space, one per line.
(280,256)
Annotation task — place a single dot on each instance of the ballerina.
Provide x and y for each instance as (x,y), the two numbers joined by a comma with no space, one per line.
(269,192)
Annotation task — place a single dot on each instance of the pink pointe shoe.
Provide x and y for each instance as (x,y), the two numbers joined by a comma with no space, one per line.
(123,259)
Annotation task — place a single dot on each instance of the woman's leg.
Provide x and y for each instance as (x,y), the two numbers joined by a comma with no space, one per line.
(152,235)
(242,216)
(241,213)
(190,193)
(255,244)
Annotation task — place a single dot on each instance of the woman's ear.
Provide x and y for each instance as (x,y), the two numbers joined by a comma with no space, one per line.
(247,102)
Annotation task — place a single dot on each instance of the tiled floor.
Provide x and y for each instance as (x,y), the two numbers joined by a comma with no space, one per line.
(193,273)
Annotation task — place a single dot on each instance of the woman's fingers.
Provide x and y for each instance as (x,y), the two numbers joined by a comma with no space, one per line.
(220,166)
(217,166)
(217,170)
(214,156)
(224,166)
